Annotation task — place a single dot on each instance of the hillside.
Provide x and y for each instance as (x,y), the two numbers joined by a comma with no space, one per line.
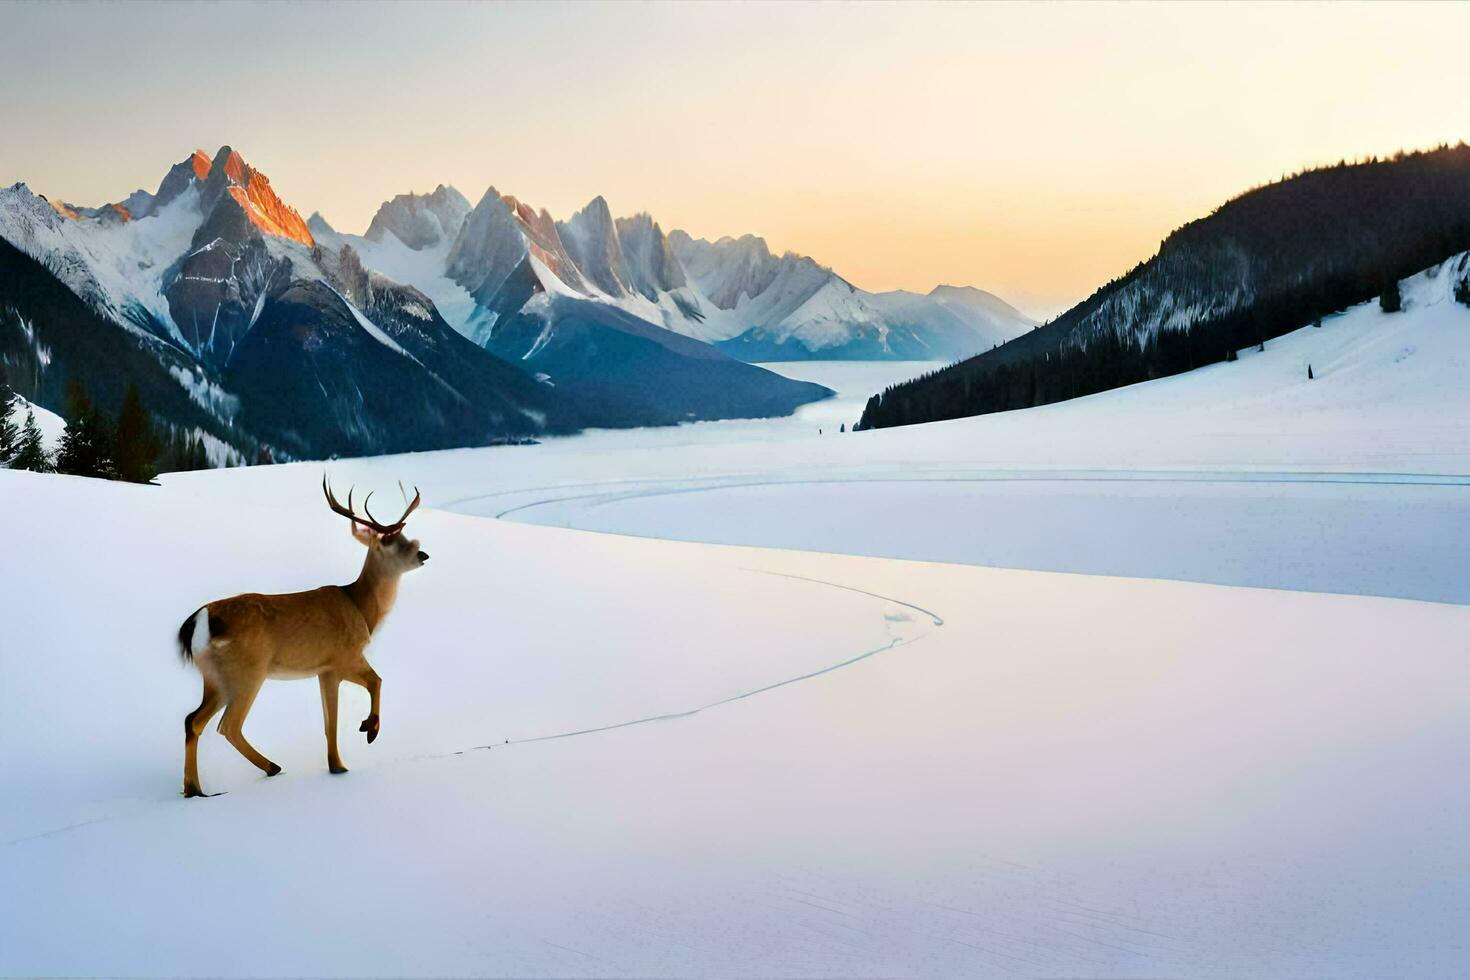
(1272,260)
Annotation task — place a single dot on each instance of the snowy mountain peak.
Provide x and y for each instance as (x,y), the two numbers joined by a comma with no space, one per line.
(230,175)
(421,221)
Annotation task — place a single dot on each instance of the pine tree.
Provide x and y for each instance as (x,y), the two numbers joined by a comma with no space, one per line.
(1391,301)
(9,431)
(86,446)
(31,453)
(1309,372)
(135,445)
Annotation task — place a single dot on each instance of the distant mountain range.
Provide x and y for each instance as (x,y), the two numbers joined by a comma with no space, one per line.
(1263,264)
(445,324)
(502,259)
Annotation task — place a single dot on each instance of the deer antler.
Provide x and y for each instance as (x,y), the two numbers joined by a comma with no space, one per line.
(369,521)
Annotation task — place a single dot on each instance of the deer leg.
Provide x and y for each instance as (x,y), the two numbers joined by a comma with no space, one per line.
(233,722)
(194,724)
(368,678)
(330,684)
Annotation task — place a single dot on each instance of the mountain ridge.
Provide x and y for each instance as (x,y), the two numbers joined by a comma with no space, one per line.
(270,335)
(1265,262)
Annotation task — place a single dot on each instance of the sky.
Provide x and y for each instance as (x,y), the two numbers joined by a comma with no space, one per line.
(1033,150)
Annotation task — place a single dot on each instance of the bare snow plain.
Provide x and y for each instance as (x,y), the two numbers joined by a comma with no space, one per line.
(615,755)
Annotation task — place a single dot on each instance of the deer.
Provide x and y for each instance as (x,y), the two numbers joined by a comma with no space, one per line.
(237,643)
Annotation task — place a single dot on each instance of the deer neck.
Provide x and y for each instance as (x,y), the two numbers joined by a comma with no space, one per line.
(373,592)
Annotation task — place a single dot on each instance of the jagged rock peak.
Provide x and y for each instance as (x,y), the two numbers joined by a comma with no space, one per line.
(230,174)
(591,239)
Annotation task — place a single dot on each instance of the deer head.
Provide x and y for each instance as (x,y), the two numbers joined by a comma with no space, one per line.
(390,551)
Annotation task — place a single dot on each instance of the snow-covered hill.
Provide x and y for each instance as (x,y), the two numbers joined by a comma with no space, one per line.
(606,756)
(1273,259)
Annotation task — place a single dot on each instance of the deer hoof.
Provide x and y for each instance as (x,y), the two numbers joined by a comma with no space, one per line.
(370,725)
(272,770)
(337,770)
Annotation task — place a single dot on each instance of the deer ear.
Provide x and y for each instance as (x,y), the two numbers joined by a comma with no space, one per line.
(365,535)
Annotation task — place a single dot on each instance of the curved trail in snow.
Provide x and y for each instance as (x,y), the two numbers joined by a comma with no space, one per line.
(894,642)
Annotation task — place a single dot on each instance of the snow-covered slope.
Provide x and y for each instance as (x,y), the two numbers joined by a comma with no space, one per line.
(1264,263)
(604,756)
(117,268)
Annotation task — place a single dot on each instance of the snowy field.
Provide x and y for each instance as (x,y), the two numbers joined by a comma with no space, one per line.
(605,755)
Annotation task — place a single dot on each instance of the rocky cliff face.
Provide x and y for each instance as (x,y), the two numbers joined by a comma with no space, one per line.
(220,285)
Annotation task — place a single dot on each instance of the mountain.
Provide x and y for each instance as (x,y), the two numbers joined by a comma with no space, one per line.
(733,293)
(421,220)
(637,371)
(236,325)
(1265,263)
(272,336)
(585,305)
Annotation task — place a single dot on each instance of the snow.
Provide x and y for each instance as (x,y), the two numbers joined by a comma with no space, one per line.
(1240,474)
(117,268)
(52,426)
(607,755)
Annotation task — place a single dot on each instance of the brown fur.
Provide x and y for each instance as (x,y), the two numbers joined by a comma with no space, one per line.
(323,633)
